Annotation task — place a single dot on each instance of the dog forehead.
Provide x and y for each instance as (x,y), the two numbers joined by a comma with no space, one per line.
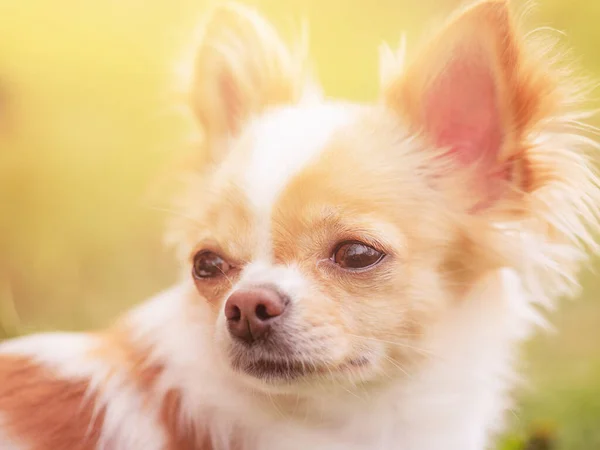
(285,141)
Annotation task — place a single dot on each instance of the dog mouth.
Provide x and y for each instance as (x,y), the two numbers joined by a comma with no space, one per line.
(289,370)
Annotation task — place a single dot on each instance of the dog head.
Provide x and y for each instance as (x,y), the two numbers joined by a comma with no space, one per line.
(329,237)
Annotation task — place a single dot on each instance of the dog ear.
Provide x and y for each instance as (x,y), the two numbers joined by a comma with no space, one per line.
(471,94)
(242,67)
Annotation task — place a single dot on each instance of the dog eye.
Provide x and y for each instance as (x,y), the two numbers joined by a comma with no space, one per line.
(356,255)
(209,265)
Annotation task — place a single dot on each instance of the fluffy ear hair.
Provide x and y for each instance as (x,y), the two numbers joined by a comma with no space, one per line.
(471,93)
(242,67)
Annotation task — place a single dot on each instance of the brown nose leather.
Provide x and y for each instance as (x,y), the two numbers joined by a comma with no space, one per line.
(251,312)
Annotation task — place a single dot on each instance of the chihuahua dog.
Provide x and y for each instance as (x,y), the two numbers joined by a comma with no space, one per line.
(356,276)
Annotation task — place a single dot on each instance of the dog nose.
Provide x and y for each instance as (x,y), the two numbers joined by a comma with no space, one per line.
(250,313)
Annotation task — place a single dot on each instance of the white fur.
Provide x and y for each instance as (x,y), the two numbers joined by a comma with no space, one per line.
(53,350)
(460,398)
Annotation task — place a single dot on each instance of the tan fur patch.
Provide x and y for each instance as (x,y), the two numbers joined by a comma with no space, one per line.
(45,411)
(119,352)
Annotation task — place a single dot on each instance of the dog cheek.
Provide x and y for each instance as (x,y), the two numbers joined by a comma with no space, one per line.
(321,327)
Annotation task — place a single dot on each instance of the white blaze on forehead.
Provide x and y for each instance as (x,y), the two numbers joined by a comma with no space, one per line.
(284,142)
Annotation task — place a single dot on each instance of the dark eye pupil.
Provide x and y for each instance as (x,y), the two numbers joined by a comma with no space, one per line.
(209,265)
(356,256)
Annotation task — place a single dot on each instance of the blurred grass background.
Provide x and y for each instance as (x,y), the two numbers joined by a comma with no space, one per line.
(89,121)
